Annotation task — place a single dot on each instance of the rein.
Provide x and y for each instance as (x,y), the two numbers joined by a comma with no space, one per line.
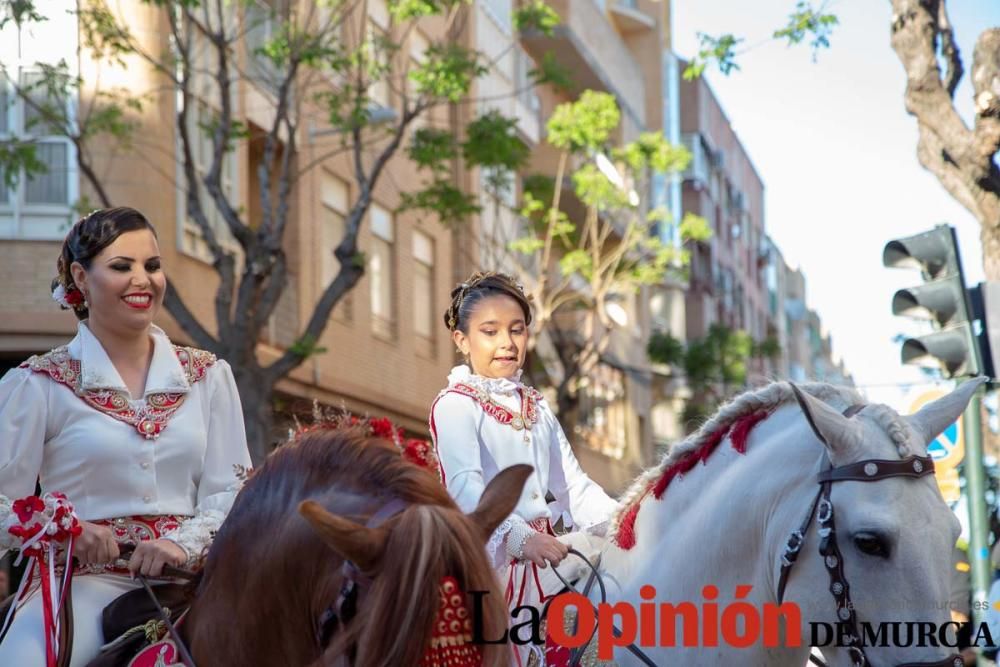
(576,655)
(868,470)
(340,611)
(170,571)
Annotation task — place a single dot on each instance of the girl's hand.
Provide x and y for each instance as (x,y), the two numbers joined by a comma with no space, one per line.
(149,557)
(95,545)
(540,548)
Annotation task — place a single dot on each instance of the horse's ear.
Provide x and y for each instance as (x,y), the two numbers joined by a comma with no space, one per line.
(935,417)
(831,427)
(500,498)
(352,541)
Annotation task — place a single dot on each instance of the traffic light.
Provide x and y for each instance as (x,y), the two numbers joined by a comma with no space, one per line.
(942,299)
(985,299)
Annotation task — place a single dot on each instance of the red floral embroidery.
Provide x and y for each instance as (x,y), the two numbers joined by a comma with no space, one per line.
(149,420)
(529,405)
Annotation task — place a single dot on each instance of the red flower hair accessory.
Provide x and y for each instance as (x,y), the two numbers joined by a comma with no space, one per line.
(70,298)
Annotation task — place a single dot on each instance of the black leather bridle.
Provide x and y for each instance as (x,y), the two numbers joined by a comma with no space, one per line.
(868,470)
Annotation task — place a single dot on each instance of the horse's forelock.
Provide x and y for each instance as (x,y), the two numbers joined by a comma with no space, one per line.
(425,544)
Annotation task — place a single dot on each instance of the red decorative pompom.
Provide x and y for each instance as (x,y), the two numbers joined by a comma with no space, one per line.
(382,428)
(25,508)
(625,537)
(43,521)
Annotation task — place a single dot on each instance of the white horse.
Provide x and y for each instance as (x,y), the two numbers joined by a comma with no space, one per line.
(724,518)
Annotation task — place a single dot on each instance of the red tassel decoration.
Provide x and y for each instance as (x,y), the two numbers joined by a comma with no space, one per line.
(742,428)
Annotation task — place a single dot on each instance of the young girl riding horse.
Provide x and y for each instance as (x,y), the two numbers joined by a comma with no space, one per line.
(486,419)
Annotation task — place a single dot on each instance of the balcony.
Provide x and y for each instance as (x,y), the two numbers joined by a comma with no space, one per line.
(589,47)
(629,18)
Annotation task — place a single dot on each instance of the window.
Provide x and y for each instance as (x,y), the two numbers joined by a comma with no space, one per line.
(603,410)
(377,32)
(423,292)
(334,206)
(418,54)
(261,23)
(40,206)
(202,116)
(381,273)
(501,11)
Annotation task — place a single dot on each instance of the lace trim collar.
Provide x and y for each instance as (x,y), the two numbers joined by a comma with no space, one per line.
(166,373)
(149,416)
(462,374)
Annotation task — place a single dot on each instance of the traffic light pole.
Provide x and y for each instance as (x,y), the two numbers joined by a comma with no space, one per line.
(975,488)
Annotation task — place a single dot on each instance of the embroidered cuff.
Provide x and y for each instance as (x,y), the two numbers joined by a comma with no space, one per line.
(519,533)
(195,534)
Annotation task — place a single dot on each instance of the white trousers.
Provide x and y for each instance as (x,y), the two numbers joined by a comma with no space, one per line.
(24,645)
(532,586)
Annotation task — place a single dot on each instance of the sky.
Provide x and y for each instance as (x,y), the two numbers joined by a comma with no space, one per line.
(837,153)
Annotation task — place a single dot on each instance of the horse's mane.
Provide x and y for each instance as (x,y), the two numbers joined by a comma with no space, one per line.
(350,474)
(736,418)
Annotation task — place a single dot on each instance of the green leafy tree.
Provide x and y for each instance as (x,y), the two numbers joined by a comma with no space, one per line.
(576,258)
(714,365)
(318,68)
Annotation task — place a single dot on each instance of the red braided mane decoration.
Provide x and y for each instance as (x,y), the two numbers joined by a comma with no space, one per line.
(739,432)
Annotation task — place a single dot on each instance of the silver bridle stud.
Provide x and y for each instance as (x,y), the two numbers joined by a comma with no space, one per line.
(871,469)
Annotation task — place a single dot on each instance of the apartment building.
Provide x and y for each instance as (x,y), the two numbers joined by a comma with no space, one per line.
(723,186)
(386,352)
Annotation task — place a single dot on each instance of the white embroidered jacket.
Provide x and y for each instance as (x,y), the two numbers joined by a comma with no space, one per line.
(473,445)
(98,447)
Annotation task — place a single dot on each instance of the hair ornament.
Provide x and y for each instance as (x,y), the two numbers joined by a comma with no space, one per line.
(70,299)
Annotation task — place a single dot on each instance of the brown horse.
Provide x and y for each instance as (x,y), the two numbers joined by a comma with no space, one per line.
(271,573)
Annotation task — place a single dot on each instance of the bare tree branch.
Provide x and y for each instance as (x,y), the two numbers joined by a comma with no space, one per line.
(962,159)
(986,84)
(949,49)
(350,272)
(179,311)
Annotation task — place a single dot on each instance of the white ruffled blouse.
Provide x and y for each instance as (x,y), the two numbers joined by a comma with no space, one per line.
(106,466)
(473,447)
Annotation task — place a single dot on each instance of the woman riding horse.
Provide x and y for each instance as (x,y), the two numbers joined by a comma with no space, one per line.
(141,438)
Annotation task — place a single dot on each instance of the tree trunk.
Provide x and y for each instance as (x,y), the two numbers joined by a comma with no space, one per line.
(961,157)
(989,235)
(257,397)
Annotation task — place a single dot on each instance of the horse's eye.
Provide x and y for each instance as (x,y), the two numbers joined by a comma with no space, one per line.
(872,545)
